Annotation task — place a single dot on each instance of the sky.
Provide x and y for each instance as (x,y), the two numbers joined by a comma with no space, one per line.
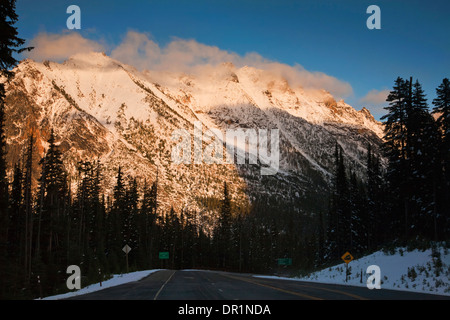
(313,42)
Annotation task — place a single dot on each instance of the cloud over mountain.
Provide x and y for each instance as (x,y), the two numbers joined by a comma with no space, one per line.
(375,97)
(375,100)
(59,47)
(180,55)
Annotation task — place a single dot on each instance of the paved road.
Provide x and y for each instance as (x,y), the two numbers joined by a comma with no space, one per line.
(211,285)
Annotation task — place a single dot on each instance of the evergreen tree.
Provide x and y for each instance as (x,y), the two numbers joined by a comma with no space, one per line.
(147,224)
(10,43)
(115,223)
(442,111)
(9,40)
(425,164)
(223,230)
(396,150)
(358,232)
(4,221)
(339,220)
(28,199)
(130,228)
(15,273)
(417,118)
(52,206)
(395,121)
(321,232)
(88,219)
(16,216)
(411,144)
(376,220)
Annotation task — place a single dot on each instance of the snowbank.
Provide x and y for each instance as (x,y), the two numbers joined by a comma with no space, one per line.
(116,280)
(416,270)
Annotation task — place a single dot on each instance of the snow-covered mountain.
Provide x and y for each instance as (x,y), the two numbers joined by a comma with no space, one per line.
(100,108)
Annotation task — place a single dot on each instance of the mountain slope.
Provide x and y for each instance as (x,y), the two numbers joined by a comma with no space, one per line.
(419,270)
(102,109)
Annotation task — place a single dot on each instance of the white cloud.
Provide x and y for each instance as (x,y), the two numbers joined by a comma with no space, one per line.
(375,101)
(190,56)
(181,55)
(375,97)
(59,47)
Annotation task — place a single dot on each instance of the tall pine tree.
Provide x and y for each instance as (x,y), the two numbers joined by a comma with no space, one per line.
(339,216)
(10,43)
(411,144)
(3,195)
(115,222)
(420,161)
(377,222)
(396,150)
(52,206)
(223,230)
(442,111)
(28,203)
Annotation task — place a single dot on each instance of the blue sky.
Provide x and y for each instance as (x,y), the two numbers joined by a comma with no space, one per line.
(322,36)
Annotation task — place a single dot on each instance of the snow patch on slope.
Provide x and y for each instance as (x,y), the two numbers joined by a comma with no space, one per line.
(416,270)
(116,280)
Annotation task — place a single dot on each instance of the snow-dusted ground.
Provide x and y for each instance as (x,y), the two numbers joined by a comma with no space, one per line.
(116,280)
(414,270)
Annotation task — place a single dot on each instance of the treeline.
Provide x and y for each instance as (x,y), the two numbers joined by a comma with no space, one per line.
(50,229)
(418,148)
(53,227)
(408,199)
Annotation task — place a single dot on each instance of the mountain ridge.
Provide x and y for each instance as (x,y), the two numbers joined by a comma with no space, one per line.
(102,109)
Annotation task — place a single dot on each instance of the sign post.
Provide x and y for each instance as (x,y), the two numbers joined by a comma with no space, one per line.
(347,257)
(126,249)
(163,255)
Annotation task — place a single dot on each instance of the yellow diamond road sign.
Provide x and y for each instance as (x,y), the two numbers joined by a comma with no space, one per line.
(347,257)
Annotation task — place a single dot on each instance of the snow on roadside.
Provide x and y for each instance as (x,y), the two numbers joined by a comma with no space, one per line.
(416,270)
(116,280)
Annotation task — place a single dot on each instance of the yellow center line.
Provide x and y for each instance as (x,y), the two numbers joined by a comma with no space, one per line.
(275,288)
(160,289)
(305,286)
(336,291)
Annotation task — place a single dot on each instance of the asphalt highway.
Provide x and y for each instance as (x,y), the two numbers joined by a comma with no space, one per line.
(215,285)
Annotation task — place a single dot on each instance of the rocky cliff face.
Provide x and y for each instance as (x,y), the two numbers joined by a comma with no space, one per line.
(102,109)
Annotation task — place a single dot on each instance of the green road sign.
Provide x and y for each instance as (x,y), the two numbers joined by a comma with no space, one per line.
(164,255)
(284,261)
